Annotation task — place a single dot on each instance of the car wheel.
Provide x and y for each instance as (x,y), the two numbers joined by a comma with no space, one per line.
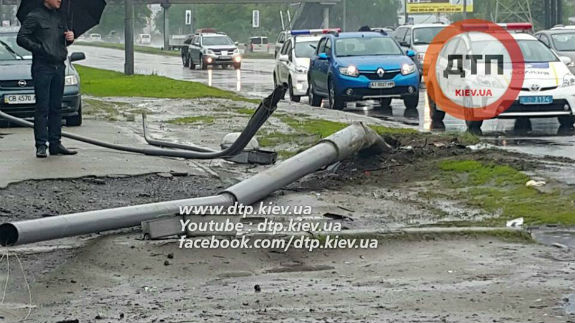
(474,127)
(385,103)
(76,120)
(411,102)
(293,98)
(335,102)
(566,121)
(436,115)
(314,100)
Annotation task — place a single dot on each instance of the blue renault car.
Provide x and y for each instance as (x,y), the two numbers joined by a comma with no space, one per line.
(357,66)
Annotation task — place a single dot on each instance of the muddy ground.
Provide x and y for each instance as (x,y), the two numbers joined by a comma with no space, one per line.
(118,277)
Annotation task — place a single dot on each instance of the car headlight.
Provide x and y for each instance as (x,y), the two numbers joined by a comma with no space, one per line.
(568,80)
(236,51)
(71,80)
(301,69)
(407,69)
(349,71)
(210,52)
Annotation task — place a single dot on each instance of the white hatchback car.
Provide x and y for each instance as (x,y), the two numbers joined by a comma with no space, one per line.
(293,60)
(548,89)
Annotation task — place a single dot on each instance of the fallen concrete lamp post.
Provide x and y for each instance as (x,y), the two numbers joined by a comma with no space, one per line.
(260,116)
(336,147)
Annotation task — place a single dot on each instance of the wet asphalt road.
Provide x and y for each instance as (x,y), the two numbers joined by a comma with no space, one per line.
(255,80)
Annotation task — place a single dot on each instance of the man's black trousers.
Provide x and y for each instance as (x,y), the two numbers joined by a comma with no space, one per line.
(49,89)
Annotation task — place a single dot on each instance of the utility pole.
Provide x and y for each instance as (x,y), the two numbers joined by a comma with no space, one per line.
(344,25)
(464,9)
(166,5)
(513,10)
(405,15)
(129,37)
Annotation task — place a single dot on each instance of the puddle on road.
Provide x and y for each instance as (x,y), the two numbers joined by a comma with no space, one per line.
(556,237)
(532,141)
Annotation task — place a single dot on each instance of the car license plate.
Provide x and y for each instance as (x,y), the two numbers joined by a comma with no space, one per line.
(225,57)
(382,85)
(532,100)
(224,53)
(20,99)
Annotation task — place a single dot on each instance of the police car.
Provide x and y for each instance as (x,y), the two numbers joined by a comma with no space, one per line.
(292,61)
(548,89)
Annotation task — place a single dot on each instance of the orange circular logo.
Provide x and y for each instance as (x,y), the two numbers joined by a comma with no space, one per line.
(474,70)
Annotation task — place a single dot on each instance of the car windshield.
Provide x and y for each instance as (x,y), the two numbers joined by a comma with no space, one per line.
(366,46)
(9,50)
(215,41)
(564,42)
(425,35)
(533,50)
(305,49)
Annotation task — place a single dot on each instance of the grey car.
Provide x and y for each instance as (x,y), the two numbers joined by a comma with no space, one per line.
(562,41)
(17,87)
(417,38)
(210,49)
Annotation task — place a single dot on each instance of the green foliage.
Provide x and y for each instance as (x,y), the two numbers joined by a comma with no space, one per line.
(374,13)
(99,82)
(501,189)
(113,19)
(192,120)
(234,19)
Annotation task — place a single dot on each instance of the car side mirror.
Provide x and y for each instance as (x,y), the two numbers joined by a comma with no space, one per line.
(283,58)
(236,43)
(566,60)
(410,53)
(322,56)
(404,43)
(77,56)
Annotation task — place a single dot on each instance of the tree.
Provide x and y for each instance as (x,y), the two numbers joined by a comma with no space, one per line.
(114,16)
(234,20)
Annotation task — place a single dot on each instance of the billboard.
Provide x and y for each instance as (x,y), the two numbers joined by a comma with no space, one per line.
(438,6)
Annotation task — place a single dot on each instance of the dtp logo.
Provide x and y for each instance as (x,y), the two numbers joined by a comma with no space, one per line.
(475,70)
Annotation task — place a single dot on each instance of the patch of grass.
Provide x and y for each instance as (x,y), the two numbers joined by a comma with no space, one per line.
(98,82)
(383,130)
(94,107)
(501,189)
(193,120)
(140,49)
(245,111)
(467,139)
(272,139)
(321,128)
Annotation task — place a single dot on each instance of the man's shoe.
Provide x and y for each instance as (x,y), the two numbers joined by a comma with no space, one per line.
(59,149)
(41,152)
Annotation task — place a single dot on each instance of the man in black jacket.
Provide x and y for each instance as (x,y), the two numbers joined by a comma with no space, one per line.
(44,33)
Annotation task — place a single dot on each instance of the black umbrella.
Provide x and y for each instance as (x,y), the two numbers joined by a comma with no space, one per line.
(81,15)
